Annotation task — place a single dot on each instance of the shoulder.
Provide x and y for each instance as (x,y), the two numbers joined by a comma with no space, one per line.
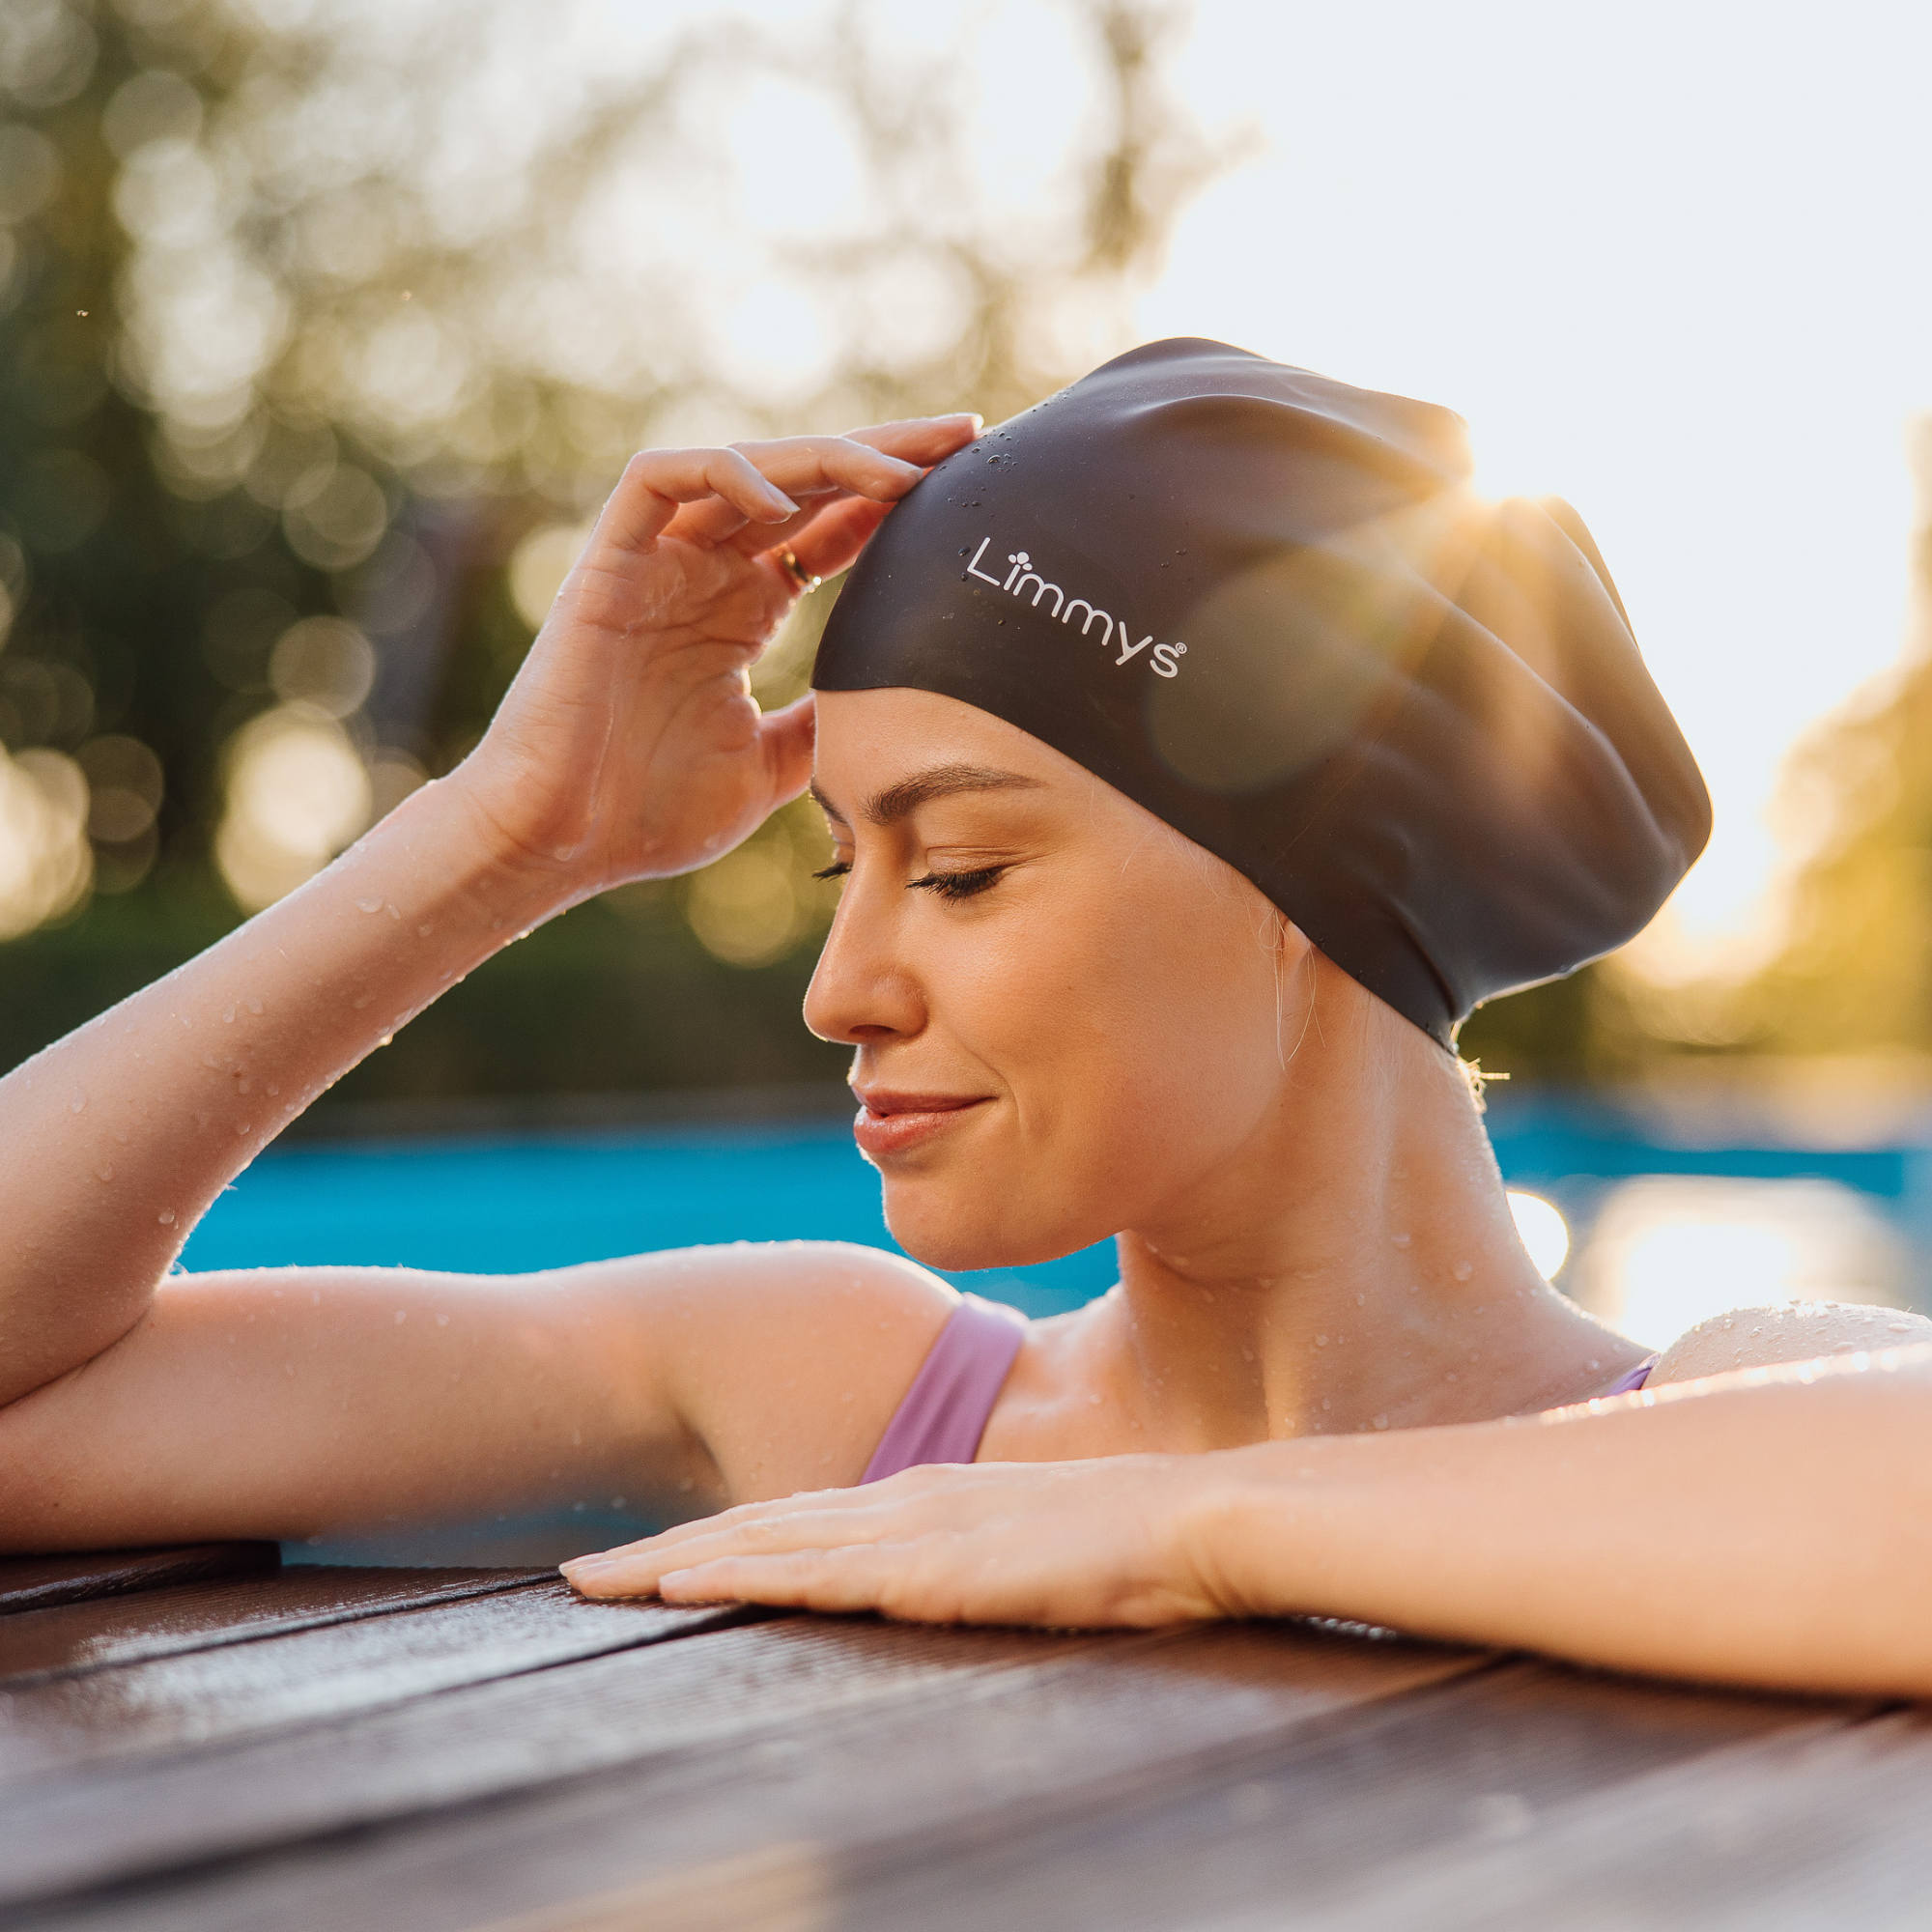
(1755,1337)
(785,1359)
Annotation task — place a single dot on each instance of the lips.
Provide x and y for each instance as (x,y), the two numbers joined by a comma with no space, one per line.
(892,1123)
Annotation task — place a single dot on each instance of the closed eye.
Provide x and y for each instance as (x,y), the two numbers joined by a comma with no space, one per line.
(957,885)
(837,869)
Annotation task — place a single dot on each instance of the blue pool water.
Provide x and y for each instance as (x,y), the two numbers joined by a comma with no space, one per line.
(505,1206)
(537,1202)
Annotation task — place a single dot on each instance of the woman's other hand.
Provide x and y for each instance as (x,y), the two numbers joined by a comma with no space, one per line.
(1111,1541)
(630,745)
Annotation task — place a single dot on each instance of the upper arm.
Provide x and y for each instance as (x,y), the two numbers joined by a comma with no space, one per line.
(281,1403)
(1751,1338)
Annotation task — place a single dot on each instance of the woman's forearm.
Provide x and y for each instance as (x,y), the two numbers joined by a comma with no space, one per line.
(116,1139)
(1768,1532)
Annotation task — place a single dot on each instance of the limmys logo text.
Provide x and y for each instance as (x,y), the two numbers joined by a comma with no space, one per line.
(1022,575)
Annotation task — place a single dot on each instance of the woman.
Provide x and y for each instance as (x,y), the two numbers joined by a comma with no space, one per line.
(1175,957)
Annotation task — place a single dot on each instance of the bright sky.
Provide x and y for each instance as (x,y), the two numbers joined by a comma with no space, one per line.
(1668,258)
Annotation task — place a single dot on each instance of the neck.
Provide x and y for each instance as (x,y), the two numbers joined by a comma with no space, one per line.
(1354,1266)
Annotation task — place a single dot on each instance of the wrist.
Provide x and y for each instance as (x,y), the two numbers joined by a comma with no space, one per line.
(1257,1525)
(448,823)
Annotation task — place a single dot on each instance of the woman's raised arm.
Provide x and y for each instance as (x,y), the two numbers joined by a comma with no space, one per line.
(629,746)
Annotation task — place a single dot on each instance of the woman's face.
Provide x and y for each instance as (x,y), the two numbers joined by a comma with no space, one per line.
(1065,1014)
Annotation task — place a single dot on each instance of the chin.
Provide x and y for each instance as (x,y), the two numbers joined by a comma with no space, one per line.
(938,1228)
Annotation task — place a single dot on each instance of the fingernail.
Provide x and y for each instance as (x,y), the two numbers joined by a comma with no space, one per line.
(784,501)
(586,1565)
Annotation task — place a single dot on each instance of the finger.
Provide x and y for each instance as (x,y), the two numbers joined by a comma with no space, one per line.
(803,467)
(829,542)
(657,484)
(788,738)
(837,1581)
(753,1528)
(921,440)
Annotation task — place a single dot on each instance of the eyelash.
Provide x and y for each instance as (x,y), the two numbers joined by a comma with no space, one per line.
(957,885)
(948,885)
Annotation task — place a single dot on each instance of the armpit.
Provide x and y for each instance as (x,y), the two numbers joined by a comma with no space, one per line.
(1751,1338)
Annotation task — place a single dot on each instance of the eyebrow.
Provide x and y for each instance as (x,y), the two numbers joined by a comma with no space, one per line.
(901,800)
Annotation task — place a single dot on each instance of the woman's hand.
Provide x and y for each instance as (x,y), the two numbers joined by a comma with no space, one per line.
(1116,1540)
(629,746)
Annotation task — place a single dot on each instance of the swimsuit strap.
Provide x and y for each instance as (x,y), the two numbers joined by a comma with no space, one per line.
(945,1411)
(1636,1378)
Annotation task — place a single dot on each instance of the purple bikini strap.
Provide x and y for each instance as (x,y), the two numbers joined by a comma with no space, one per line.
(945,1411)
(1636,1378)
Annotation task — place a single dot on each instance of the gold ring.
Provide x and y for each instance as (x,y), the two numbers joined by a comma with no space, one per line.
(796,571)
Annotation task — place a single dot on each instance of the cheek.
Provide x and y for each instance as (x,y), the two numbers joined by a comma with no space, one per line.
(1134,1032)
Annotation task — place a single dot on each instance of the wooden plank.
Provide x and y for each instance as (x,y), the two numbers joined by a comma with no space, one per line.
(38,1582)
(1823,1827)
(99,1635)
(486,1741)
(239,1690)
(983,1750)
(1313,1830)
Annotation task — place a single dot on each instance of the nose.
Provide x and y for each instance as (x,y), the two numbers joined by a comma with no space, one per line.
(862,992)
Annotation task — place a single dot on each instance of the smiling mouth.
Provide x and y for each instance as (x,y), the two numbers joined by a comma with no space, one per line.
(894,1124)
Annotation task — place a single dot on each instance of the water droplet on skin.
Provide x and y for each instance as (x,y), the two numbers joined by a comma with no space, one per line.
(1450,1376)
(167,1217)
(1402,1240)
(1415,1288)
(394,914)
(1464,1269)
(1361,1301)
(369,905)
(78,1104)
(228,1016)
(402,1314)
(1382,1422)
(254,1005)
(242,1084)
(245,1127)
(1326,1403)
(273,1088)
(442,1321)
(104,1172)
(1321,1340)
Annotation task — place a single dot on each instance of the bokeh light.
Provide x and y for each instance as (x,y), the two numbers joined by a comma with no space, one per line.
(297,795)
(1669,1251)
(1543,1231)
(46,862)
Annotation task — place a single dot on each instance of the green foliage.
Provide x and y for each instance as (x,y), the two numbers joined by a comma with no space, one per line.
(300,338)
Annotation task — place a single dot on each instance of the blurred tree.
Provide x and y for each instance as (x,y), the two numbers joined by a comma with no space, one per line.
(1853,974)
(322,327)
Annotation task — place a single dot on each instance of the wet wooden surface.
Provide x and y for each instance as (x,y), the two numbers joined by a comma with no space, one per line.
(192,1740)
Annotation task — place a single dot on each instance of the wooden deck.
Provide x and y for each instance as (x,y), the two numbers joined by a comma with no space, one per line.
(197,1740)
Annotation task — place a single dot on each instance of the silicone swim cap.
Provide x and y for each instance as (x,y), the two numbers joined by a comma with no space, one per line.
(1266,607)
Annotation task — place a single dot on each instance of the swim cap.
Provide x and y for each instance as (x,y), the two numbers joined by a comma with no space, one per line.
(1267,606)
